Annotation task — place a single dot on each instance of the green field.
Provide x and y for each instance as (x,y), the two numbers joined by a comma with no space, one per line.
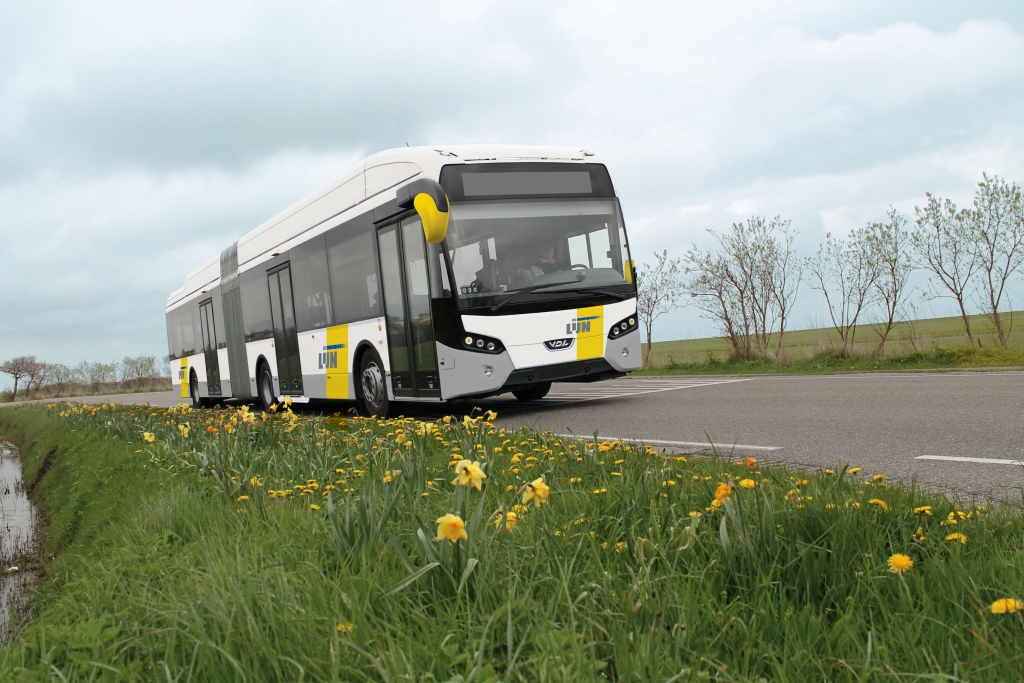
(921,344)
(217,545)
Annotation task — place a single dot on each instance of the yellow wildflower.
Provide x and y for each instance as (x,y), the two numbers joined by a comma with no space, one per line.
(148,437)
(537,491)
(919,535)
(451,527)
(575,480)
(1007,606)
(900,564)
(345,627)
(722,492)
(255,482)
(510,518)
(853,470)
(880,504)
(751,462)
(184,429)
(600,491)
(469,474)
(314,506)
(957,537)
(923,510)
(241,498)
(747,483)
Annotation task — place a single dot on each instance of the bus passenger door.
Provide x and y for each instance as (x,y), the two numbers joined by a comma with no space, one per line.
(403,267)
(286,337)
(209,334)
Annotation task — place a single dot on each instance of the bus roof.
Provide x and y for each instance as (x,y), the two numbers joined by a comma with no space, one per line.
(369,183)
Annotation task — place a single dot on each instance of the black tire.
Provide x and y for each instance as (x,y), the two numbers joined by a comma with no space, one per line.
(534,392)
(193,391)
(265,386)
(373,391)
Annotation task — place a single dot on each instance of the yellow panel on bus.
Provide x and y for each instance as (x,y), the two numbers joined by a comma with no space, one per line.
(335,360)
(183,374)
(589,332)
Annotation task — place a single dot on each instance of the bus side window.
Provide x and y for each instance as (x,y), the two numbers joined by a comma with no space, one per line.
(352,262)
(309,278)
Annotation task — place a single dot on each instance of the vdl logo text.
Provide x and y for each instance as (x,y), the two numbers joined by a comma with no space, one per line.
(580,325)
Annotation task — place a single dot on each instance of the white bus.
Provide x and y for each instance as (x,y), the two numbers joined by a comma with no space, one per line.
(422,274)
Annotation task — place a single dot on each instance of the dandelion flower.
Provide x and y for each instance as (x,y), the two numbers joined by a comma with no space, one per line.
(900,563)
(879,477)
(747,483)
(722,492)
(1007,606)
(919,535)
(853,470)
(923,510)
(751,462)
(880,504)
(537,491)
(314,506)
(957,537)
(451,527)
(598,492)
(345,627)
(241,498)
(469,474)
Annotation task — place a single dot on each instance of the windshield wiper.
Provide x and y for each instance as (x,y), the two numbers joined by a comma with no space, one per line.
(549,288)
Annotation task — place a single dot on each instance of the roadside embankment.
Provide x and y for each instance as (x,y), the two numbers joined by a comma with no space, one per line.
(223,545)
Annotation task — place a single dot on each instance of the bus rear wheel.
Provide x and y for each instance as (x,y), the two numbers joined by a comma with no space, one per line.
(265,386)
(534,392)
(193,391)
(372,389)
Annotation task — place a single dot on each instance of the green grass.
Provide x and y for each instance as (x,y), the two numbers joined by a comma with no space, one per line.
(922,344)
(161,572)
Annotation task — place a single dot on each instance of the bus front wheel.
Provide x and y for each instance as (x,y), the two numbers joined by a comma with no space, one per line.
(372,388)
(534,392)
(193,390)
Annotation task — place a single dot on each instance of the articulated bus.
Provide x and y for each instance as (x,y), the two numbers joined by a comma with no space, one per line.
(422,274)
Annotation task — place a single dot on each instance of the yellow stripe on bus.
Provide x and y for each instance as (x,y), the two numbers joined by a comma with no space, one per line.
(590,332)
(184,377)
(336,356)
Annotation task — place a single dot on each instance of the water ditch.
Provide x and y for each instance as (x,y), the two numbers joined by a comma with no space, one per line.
(18,542)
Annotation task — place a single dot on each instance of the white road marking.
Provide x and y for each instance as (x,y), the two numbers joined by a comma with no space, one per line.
(981,461)
(637,387)
(684,444)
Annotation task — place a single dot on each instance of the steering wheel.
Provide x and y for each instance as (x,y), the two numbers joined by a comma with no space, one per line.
(579,265)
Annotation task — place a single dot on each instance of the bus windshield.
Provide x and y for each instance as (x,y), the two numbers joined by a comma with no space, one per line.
(505,246)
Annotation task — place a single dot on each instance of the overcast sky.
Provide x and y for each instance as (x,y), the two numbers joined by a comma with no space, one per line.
(137,140)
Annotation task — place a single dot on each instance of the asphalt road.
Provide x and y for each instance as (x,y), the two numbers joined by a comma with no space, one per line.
(880,422)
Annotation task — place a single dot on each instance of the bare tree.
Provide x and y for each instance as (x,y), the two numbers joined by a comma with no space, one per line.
(60,377)
(943,244)
(890,245)
(997,222)
(135,371)
(658,288)
(19,368)
(845,272)
(748,285)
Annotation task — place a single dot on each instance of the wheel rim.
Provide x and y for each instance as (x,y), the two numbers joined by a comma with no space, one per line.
(373,385)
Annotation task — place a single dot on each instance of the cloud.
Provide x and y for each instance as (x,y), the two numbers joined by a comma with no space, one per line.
(140,139)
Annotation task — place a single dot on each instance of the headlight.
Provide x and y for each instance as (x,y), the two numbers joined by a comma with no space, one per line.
(624,326)
(478,342)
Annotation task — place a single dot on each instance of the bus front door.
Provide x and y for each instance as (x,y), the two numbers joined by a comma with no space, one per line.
(209,334)
(286,337)
(403,267)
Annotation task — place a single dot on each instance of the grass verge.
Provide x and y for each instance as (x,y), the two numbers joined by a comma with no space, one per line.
(828,363)
(218,545)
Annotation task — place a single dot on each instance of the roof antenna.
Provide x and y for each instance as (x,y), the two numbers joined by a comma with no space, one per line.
(400,131)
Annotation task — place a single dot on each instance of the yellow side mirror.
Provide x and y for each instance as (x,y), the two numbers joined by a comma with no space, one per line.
(431,203)
(435,222)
